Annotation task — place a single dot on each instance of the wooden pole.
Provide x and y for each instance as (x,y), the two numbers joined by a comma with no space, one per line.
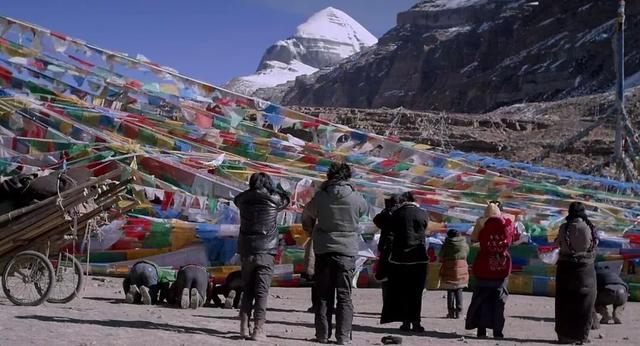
(620,114)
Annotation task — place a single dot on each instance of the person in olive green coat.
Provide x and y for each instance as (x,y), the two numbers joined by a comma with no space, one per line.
(454,272)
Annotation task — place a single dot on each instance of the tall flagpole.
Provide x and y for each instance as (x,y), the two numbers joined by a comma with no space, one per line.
(620,114)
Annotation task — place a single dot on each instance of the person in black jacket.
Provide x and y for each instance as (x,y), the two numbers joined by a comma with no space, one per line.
(409,260)
(257,245)
(383,222)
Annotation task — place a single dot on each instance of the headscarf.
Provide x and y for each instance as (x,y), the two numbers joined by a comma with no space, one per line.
(492,210)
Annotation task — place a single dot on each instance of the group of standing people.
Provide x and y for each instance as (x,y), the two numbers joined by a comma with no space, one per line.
(331,220)
(576,284)
(402,270)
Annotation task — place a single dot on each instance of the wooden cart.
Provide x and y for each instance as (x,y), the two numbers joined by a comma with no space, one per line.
(27,235)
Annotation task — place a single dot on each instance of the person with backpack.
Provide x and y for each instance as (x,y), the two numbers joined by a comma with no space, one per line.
(491,269)
(257,246)
(454,272)
(576,282)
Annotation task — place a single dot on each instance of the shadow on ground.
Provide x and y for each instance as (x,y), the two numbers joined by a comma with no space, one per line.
(131,324)
(536,319)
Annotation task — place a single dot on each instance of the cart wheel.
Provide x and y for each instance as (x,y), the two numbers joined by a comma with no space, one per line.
(68,279)
(28,279)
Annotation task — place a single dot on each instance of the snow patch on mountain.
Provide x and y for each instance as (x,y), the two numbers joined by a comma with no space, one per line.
(326,38)
(437,5)
(273,73)
(334,25)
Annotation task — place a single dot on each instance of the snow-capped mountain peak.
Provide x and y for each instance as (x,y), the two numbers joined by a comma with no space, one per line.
(327,37)
(334,25)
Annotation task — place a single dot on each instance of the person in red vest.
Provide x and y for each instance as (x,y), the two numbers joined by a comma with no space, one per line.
(491,269)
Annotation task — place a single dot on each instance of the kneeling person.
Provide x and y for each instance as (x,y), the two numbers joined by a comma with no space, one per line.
(190,288)
(231,290)
(144,283)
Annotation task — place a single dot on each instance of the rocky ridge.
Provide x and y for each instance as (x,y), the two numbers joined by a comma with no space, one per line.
(519,132)
(475,56)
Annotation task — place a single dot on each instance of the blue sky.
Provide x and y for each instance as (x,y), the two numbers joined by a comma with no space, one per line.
(211,40)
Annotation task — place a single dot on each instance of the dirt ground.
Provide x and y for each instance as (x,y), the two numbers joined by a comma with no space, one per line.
(102,318)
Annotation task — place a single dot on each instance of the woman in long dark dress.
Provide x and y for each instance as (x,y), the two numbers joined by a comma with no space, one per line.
(575,277)
(409,266)
(383,222)
(491,269)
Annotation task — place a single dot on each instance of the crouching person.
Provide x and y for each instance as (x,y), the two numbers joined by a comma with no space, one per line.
(190,288)
(257,245)
(145,282)
(612,290)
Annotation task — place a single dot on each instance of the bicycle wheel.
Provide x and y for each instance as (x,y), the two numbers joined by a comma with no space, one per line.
(28,279)
(69,279)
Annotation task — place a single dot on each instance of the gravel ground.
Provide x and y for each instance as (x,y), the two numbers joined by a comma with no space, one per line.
(102,318)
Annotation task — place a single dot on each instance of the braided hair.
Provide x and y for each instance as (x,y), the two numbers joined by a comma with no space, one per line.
(578,211)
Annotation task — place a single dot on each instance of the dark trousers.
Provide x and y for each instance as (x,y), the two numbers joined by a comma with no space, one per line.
(143,274)
(615,295)
(454,300)
(333,274)
(384,285)
(192,277)
(314,296)
(257,271)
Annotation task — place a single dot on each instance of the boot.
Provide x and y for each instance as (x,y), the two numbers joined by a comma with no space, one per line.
(417,327)
(132,295)
(146,295)
(244,325)
(617,310)
(602,310)
(195,300)
(259,332)
(185,300)
(450,314)
(228,303)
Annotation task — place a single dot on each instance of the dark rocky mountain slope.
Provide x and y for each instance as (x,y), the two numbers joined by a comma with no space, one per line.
(478,55)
